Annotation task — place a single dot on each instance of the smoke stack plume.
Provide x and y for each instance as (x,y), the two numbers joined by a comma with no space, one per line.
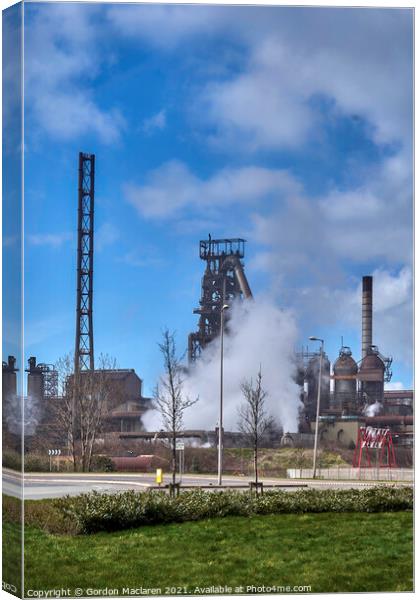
(259,335)
(367,304)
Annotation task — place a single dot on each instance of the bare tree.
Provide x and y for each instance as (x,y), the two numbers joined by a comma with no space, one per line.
(93,401)
(84,401)
(64,406)
(169,397)
(253,419)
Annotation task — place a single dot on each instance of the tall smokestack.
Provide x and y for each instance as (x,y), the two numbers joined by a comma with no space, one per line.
(367,296)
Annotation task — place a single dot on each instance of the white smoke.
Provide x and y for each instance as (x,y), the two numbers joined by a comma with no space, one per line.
(259,333)
(152,420)
(371,410)
(12,410)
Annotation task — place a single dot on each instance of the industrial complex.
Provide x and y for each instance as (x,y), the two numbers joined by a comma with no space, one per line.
(352,394)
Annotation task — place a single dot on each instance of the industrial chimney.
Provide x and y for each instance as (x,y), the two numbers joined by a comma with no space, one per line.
(367,295)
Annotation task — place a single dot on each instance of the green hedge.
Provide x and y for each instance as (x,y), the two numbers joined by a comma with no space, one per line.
(12,460)
(110,512)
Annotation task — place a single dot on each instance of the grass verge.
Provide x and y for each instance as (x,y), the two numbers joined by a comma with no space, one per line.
(331,552)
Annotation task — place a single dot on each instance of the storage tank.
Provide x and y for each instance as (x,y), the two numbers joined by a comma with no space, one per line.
(345,384)
(9,378)
(312,376)
(35,380)
(371,377)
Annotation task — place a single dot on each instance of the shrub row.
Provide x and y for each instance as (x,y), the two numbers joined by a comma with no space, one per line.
(94,512)
(38,513)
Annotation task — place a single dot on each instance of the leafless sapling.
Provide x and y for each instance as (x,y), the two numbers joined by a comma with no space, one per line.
(254,421)
(169,396)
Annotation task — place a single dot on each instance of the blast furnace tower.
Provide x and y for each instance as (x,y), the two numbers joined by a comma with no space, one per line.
(224,280)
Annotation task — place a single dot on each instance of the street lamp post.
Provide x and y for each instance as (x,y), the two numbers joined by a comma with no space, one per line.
(318,401)
(220,448)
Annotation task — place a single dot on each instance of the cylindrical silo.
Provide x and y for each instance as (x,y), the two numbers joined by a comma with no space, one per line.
(345,384)
(371,376)
(35,380)
(9,378)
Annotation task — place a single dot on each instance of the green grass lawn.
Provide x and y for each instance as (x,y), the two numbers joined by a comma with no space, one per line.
(347,552)
(12,554)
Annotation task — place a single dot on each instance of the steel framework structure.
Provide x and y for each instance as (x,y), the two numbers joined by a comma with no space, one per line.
(49,380)
(83,356)
(223,281)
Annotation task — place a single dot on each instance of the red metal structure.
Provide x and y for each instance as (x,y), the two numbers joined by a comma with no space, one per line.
(378,439)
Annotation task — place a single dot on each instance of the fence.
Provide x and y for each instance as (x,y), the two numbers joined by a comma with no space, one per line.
(363,474)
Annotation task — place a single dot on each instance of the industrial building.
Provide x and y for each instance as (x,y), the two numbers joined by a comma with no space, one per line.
(126,404)
(358,397)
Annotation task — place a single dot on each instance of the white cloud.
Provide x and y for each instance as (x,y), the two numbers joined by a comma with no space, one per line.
(256,111)
(73,114)
(344,56)
(395,386)
(263,99)
(12,79)
(48,239)
(360,226)
(392,290)
(375,220)
(172,188)
(62,60)
(393,324)
(165,26)
(288,57)
(144,258)
(106,235)
(154,123)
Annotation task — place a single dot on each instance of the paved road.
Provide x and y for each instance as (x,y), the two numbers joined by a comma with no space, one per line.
(55,485)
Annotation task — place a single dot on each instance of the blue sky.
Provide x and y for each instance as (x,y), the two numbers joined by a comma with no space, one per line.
(289,127)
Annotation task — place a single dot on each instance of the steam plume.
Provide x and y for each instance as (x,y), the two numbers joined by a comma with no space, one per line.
(371,410)
(258,333)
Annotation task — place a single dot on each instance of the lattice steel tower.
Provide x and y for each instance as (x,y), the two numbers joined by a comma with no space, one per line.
(224,279)
(83,355)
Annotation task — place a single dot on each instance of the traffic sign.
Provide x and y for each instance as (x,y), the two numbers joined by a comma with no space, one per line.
(54,452)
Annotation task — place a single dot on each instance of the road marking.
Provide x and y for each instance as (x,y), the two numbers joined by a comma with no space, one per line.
(86,482)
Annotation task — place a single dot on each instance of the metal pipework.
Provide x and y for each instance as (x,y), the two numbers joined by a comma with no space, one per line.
(242,280)
(367,309)
(239,274)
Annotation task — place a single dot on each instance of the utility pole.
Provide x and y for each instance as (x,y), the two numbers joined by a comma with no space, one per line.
(318,401)
(220,441)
